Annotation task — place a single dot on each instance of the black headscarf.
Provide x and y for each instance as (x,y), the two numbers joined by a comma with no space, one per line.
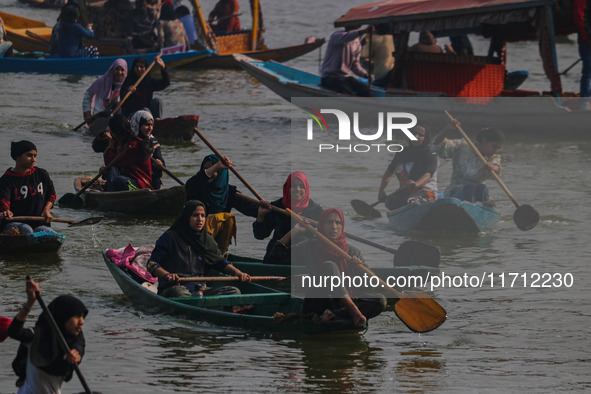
(200,241)
(167,12)
(416,153)
(18,148)
(46,352)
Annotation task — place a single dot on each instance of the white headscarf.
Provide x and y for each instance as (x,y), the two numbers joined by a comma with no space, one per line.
(139,119)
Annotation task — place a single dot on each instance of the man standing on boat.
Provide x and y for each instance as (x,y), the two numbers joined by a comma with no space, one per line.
(342,59)
(581,10)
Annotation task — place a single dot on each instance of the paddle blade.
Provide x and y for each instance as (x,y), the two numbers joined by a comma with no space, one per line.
(364,209)
(526,217)
(71,200)
(99,125)
(417,253)
(420,313)
(87,221)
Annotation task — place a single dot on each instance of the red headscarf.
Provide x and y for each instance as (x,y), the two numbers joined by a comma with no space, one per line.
(324,252)
(303,203)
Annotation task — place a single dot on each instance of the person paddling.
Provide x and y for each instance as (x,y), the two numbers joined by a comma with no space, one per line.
(40,364)
(25,190)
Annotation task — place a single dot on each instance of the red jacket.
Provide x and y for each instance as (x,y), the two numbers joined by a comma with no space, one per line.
(133,164)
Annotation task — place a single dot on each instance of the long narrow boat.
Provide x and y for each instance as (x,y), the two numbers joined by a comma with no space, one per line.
(271,311)
(444,215)
(44,241)
(26,35)
(92,66)
(165,201)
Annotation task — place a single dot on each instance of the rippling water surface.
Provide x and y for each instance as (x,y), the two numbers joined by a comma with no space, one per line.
(534,339)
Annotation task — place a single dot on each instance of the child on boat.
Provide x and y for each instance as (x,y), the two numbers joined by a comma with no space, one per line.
(41,365)
(25,190)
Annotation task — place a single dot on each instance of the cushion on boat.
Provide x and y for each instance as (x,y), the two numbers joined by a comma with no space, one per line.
(134,260)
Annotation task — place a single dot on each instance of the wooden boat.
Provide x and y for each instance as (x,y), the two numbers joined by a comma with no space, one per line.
(166,201)
(444,215)
(53,4)
(272,310)
(44,241)
(175,130)
(248,41)
(26,35)
(91,66)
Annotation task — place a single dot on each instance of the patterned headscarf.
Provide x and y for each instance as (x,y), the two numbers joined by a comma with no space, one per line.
(139,119)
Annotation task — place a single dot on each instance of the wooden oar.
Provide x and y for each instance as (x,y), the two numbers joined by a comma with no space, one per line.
(73,200)
(571,66)
(71,222)
(223,159)
(61,340)
(418,312)
(525,217)
(408,253)
(226,278)
(170,174)
(37,37)
(366,210)
(101,124)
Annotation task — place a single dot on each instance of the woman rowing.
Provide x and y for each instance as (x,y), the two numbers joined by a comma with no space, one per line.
(186,249)
(133,170)
(26,190)
(142,125)
(41,365)
(143,95)
(296,196)
(104,92)
(211,186)
(416,170)
(468,171)
(323,262)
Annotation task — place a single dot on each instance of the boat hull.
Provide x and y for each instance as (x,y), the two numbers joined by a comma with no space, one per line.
(41,242)
(92,66)
(175,130)
(448,215)
(166,201)
(266,303)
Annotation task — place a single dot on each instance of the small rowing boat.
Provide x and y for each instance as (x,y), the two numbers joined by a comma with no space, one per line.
(41,242)
(91,66)
(175,130)
(26,35)
(165,201)
(444,215)
(258,308)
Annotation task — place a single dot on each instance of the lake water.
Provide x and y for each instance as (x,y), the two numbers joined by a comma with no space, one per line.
(499,339)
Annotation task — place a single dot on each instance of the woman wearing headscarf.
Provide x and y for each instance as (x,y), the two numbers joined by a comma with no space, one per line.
(133,170)
(25,190)
(210,185)
(142,125)
(172,31)
(323,262)
(296,196)
(416,170)
(187,249)
(41,364)
(143,96)
(104,92)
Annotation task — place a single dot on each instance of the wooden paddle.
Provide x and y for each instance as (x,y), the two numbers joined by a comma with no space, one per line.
(61,340)
(366,210)
(408,253)
(37,37)
(101,124)
(71,222)
(525,217)
(73,200)
(226,278)
(419,312)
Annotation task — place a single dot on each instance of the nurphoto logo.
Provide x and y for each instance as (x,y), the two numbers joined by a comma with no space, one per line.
(389,122)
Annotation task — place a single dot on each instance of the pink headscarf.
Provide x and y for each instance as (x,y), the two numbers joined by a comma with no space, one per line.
(104,86)
(303,203)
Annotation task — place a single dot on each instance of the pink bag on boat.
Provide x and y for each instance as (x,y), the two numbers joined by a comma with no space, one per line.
(134,261)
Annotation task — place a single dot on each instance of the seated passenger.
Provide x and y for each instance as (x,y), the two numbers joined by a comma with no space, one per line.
(142,27)
(70,34)
(5,46)
(172,32)
(133,170)
(182,13)
(25,190)
(382,54)
(296,196)
(186,249)
(428,43)
(225,13)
